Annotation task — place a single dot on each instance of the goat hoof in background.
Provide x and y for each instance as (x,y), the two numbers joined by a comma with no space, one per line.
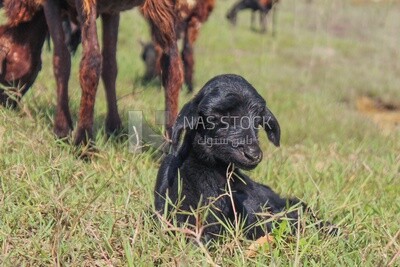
(200,183)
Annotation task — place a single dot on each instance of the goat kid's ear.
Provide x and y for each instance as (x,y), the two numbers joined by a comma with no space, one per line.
(186,121)
(271,127)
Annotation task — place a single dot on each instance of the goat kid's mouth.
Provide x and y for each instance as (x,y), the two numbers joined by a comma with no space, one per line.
(247,159)
(246,166)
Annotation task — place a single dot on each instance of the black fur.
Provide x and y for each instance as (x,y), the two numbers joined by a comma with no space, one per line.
(203,167)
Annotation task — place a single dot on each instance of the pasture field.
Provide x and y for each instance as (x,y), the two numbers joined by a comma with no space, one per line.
(57,210)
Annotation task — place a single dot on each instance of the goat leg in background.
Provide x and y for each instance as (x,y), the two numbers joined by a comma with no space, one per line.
(274,16)
(191,33)
(192,26)
(110,69)
(89,74)
(232,13)
(162,18)
(62,68)
(263,20)
(253,19)
(172,80)
(264,6)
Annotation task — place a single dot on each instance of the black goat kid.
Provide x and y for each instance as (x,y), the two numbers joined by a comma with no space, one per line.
(220,127)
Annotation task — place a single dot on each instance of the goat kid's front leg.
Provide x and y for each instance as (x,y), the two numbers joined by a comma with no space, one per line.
(191,33)
(89,74)
(110,69)
(62,68)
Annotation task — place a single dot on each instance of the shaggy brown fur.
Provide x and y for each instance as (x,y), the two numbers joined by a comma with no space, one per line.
(20,62)
(87,4)
(162,18)
(191,14)
(18,11)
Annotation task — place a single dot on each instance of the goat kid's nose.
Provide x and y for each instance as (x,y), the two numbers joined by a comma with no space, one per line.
(253,153)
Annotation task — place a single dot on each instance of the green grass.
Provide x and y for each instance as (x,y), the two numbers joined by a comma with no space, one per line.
(58,210)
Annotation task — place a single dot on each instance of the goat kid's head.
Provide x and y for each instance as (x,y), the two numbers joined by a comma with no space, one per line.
(220,125)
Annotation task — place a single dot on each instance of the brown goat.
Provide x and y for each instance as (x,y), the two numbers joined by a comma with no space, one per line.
(191,16)
(263,6)
(96,63)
